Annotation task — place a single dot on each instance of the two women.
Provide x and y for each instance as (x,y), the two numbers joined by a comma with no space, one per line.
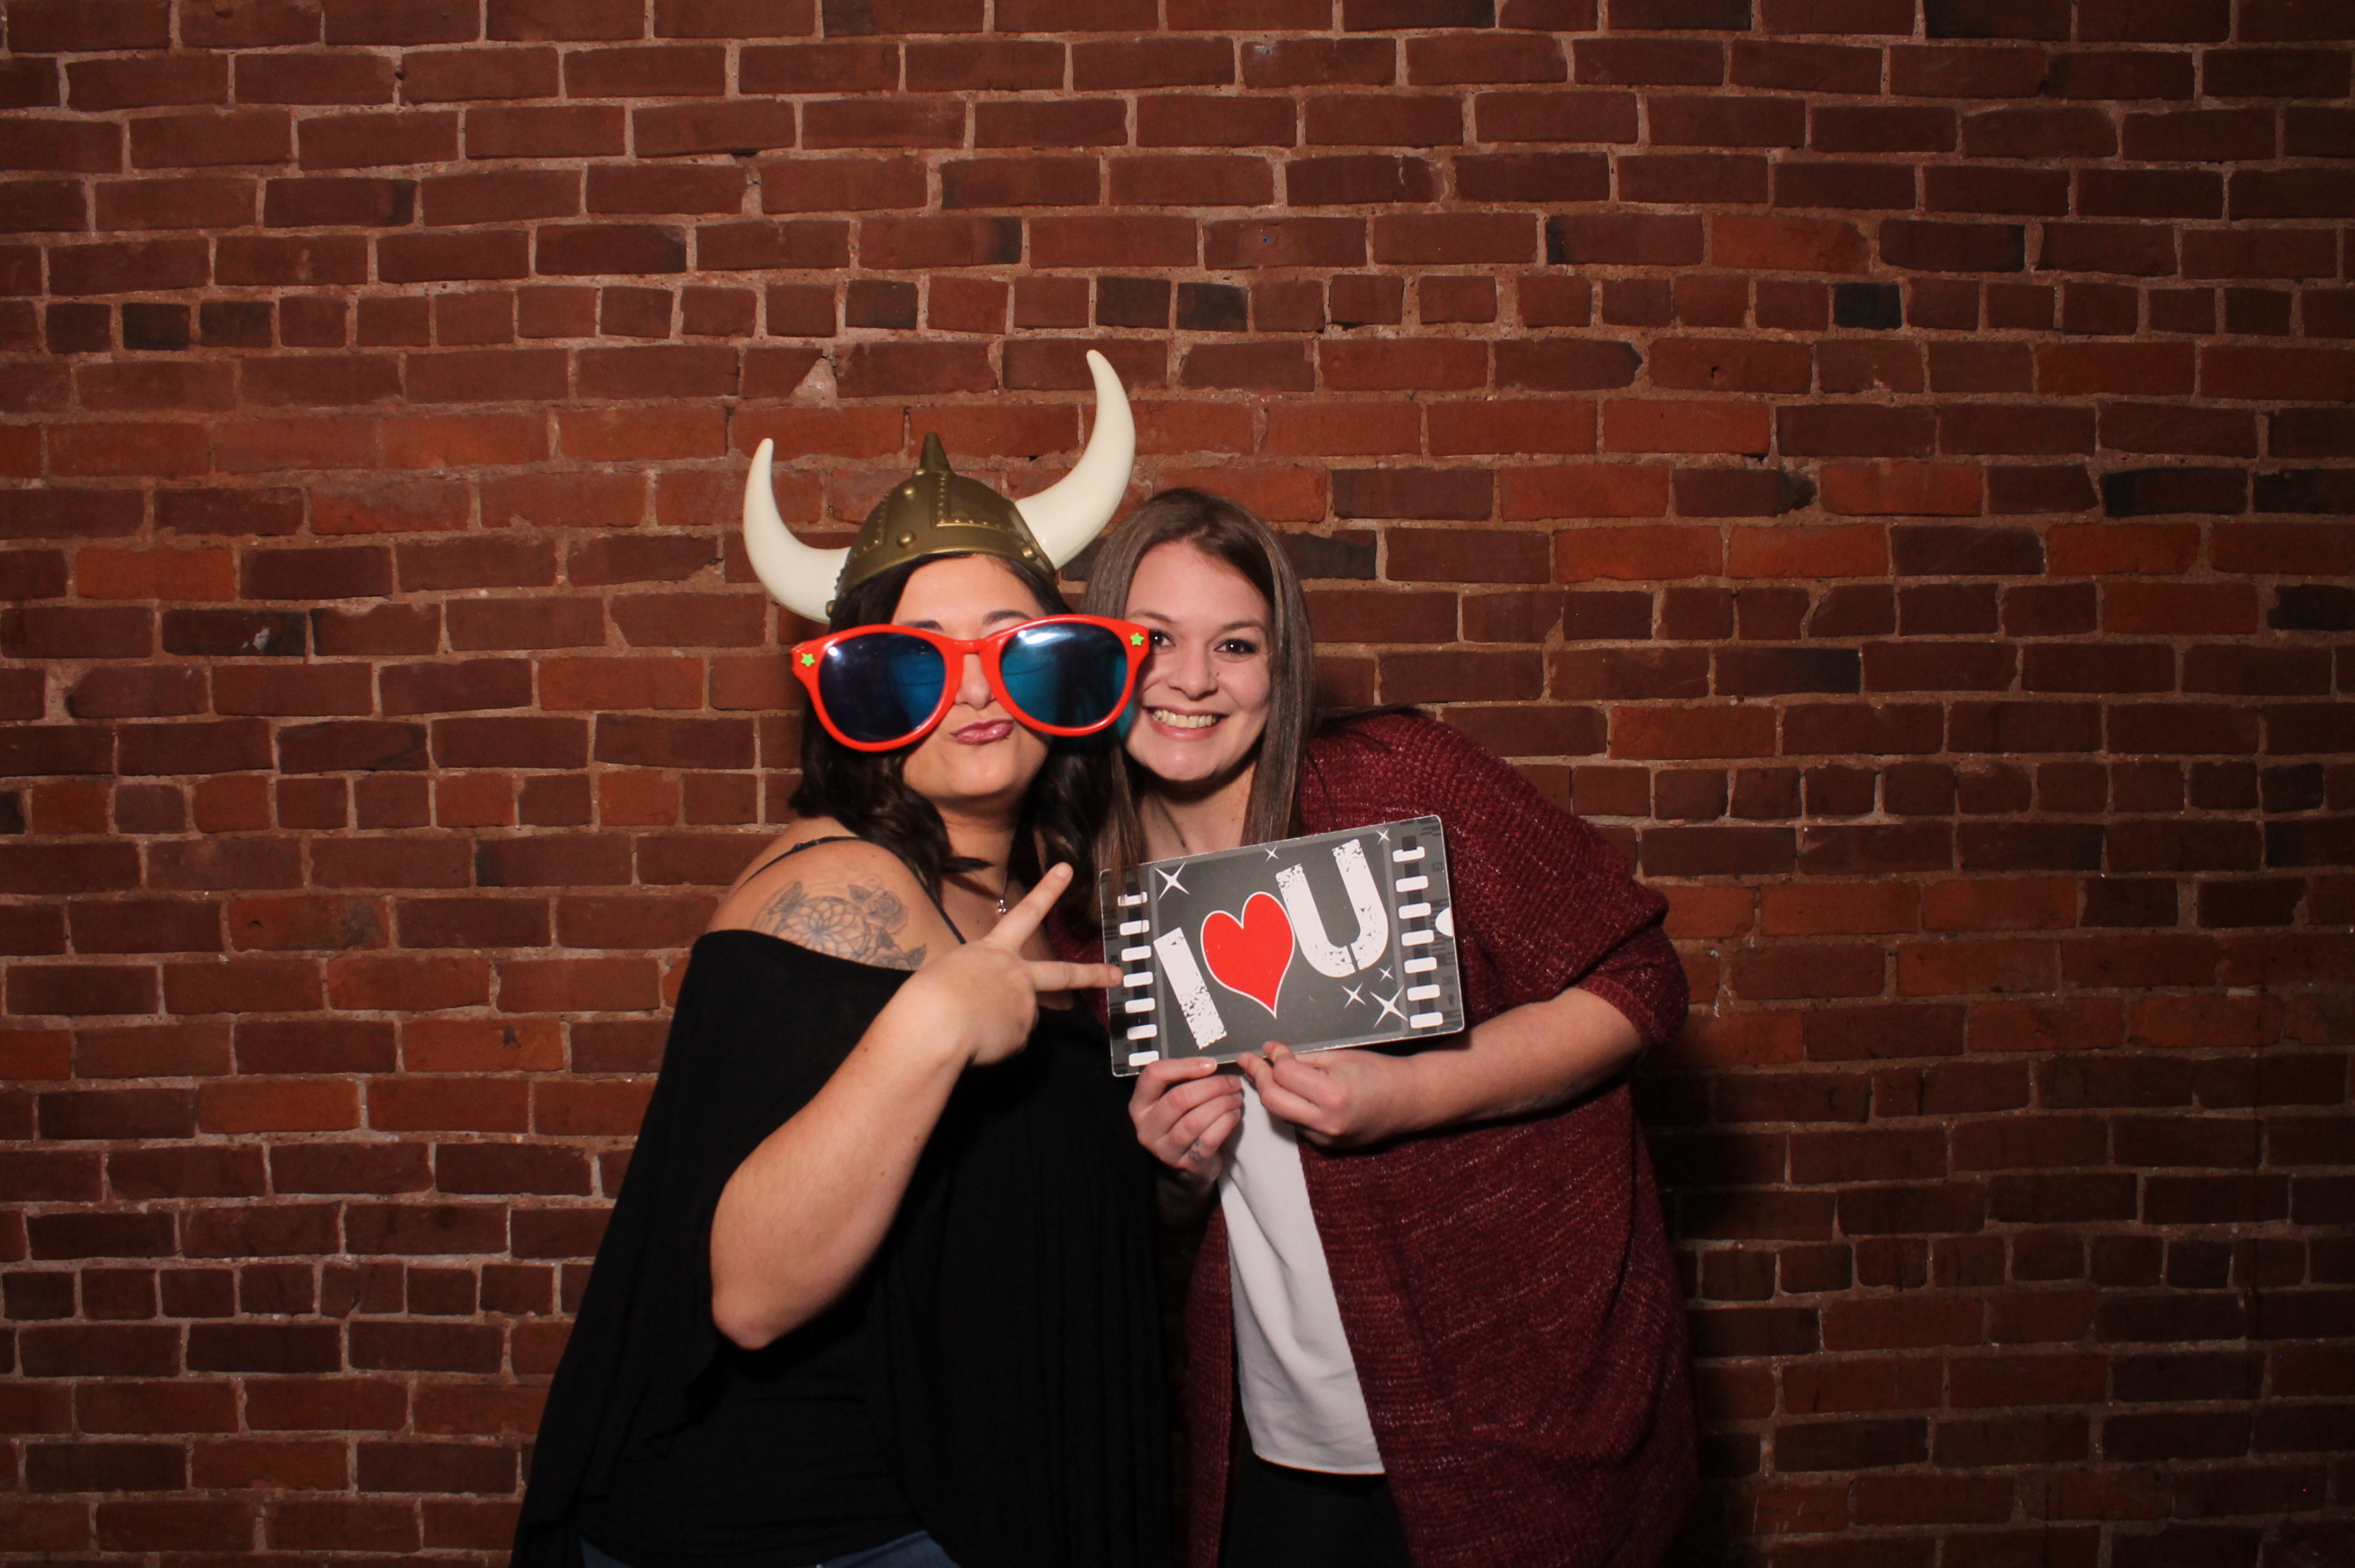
(878,1289)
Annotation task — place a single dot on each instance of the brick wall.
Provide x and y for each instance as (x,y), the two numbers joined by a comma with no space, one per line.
(1888,463)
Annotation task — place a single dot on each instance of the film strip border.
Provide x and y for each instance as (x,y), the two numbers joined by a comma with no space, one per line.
(1412,878)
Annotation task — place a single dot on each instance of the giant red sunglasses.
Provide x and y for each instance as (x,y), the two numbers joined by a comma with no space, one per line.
(878,688)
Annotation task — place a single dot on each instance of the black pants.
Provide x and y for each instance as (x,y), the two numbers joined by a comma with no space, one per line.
(1281,1517)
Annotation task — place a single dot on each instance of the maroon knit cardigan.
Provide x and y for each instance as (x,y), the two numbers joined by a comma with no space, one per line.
(1507,1289)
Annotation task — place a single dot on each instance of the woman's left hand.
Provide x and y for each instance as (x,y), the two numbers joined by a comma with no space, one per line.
(1338,1099)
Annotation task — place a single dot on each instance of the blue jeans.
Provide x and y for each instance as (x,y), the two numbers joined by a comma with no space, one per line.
(917,1551)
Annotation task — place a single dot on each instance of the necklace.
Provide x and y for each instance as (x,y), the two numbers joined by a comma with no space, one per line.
(1004,886)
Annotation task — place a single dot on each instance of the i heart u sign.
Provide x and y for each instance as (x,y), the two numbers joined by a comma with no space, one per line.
(1331,939)
(1251,954)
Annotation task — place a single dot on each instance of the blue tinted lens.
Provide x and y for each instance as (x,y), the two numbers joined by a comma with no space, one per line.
(1066,674)
(881,686)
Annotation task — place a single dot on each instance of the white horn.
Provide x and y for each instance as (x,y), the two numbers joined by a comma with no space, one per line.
(1067,515)
(796,576)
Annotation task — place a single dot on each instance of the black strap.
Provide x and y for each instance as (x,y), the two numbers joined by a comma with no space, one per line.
(807,844)
(854,838)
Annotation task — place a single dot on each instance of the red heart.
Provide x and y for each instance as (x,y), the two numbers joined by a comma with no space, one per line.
(1251,954)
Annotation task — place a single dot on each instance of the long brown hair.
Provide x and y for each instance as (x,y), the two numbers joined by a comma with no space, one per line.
(1224,530)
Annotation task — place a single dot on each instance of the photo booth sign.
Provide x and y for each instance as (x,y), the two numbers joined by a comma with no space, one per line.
(1335,939)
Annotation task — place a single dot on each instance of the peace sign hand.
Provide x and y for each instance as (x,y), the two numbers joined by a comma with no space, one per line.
(981,1000)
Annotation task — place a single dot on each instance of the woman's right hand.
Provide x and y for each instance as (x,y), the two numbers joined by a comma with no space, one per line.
(980,1000)
(1186,1113)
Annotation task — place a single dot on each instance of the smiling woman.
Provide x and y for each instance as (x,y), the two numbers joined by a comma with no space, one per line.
(1208,706)
(1223,702)
(1435,1308)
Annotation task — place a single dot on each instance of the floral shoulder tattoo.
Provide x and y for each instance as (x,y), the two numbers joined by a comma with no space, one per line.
(860,923)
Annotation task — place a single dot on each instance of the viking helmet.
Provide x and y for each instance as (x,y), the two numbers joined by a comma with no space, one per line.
(938,511)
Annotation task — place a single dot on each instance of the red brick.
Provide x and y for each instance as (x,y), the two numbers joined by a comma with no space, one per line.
(61,25)
(1196,180)
(1565,364)
(1650,61)
(2309,373)
(1610,490)
(1907,489)
(899,122)
(589,1108)
(1456,240)
(137,265)
(1257,365)
(316,78)
(554,132)
(365,141)
(1624,239)
(1443,61)
(1798,972)
(1102,122)
(731,127)
(1852,430)
(663,71)
(403,21)
(1555,116)
(450,76)
(177,203)
(820,67)
(1660,425)
(479,199)
(1388,119)
(200,574)
(1375,367)
(29,205)
(97,450)
(1007,65)
(1836,551)
(1019,182)
(1849,1444)
(1529,425)
(446,1105)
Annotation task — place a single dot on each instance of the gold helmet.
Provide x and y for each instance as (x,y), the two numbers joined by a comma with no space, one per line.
(938,511)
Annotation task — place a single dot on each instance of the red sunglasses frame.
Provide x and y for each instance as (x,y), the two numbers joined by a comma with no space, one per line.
(1136,642)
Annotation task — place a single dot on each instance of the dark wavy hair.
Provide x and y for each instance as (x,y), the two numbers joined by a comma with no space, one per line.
(867,792)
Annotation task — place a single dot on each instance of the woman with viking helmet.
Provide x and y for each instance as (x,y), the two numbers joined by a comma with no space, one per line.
(879,1286)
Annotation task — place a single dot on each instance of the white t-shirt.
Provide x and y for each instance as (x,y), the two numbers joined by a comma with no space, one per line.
(1300,1396)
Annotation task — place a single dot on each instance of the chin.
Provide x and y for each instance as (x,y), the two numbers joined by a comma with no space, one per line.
(1181,763)
(994,774)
